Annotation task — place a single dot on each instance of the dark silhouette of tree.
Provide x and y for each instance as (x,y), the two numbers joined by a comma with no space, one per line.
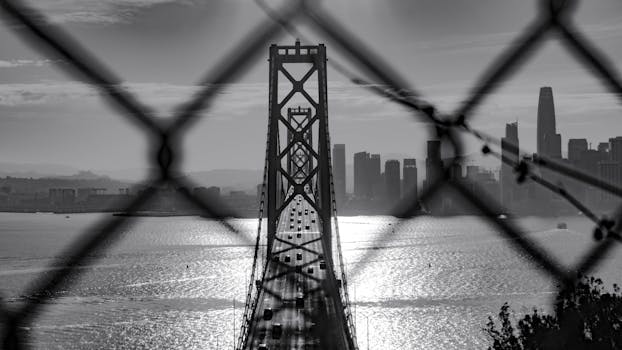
(585,317)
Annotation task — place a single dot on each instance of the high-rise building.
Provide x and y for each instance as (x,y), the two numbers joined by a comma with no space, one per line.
(609,171)
(509,150)
(576,150)
(361,178)
(339,171)
(392,180)
(615,149)
(591,158)
(433,162)
(549,142)
(577,153)
(615,155)
(472,172)
(410,177)
(374,169)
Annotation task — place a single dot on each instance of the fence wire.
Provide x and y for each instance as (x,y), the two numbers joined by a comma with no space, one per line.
(364,68)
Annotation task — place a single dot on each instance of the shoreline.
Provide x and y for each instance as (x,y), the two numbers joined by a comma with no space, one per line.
(198,214)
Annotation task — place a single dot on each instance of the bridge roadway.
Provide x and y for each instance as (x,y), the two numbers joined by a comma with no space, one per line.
(292,287)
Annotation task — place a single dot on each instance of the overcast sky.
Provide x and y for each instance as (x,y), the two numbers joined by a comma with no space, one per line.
(161,48)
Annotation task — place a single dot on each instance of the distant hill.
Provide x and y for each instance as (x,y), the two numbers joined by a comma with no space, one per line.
(35,171)
(81,175)
(80,180)
(238,179)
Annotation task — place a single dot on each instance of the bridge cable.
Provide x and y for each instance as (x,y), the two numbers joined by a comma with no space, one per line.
(345,296)
(252,298)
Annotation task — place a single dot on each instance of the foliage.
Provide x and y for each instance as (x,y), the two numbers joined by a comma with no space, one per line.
(585,317)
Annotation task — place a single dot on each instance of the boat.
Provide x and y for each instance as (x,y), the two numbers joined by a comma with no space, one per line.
(562,225)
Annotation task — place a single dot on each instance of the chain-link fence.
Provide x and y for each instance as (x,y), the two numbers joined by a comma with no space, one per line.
(554,18)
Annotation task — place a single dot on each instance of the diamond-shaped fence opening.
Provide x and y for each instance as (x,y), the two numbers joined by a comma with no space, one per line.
(364,68)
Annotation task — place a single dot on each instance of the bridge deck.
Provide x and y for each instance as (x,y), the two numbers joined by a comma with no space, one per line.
(292,287)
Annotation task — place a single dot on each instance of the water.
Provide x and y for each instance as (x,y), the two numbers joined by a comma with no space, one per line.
(171,282)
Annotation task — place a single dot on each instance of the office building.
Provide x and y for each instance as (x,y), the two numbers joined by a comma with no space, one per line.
(410,177)
(361,178)
(549,143)
(374,169)
(615,149)
(392,180)
(609,171)
(509,150)
(433,162)
(339,171)
(576,150)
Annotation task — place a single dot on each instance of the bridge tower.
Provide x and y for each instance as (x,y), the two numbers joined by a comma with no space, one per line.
(300,299)
(283,183)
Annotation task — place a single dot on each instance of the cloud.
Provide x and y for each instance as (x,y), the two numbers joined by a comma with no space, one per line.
(23,95)
(24,63)
(96,11)
(347,102)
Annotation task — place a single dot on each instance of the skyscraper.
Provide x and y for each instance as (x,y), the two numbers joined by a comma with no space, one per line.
(410,177)
(374,168)
(615,149)
(361,178)
(339,171)
(509,150)
(576,150)
(433,162)
(577,157)
(609,171)
(549,142)
(615,154)
(392,180)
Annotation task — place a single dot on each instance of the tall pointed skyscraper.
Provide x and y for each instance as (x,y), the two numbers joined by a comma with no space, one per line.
(549,141)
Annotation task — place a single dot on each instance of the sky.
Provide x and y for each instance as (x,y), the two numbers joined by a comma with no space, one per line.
(160,49)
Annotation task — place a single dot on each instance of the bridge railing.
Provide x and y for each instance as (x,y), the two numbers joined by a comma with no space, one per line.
(554,18)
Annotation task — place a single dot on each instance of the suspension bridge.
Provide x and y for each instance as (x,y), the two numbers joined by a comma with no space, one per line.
(298,298)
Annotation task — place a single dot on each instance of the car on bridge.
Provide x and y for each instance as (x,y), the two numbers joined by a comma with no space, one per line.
(300,301)
(267,314)
(277,330)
